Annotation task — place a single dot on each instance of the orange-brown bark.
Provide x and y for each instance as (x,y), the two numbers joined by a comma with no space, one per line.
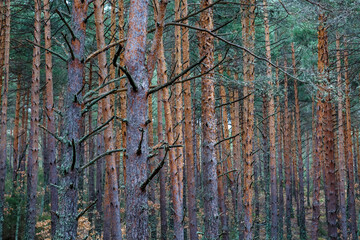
(112,73)
(271,123)
(209,160)
(188,131)
(287,161)
(220,170)
(50,119)
(122,109)
(226,151)
(279,155)
(301,202)
(173,161)
(248,35)
(178,107)
(111,203)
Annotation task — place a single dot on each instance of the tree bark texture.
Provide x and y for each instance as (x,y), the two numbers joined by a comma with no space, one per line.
(137,114)
(32,167)
(188,131)
(111,198)
(301,217)
(69,167)
(272,131)
(209,162)
(50,119)
(248,35)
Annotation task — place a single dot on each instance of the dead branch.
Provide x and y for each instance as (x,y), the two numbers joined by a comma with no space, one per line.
(131,80)
(156,170)
(101,156)
(49,50)
(96,130)
(66,24)
(97,52)
(151,91)
(86,209)
(60,139)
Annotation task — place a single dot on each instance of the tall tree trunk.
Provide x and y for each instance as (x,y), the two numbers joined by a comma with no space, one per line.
(265,179)
(170,139)
(112,210)
(235,129)
(328,133)
(330,179)
(163,171)
(4,106)
(327,128)
(280,159)
(122,85)
(318,158)
(16,131)
(50,141)
(248,24)
(32,170)
(23,134)
(137,114)
(24,144)
(188,131)
(100,148)
(226,156)
(220,170)
(348,149)
(301,214)
(294,167)
(151,164)
(68,193)
(257,183)
(271,123)
(211,210)
(178,125)
(287,152)
(112,73)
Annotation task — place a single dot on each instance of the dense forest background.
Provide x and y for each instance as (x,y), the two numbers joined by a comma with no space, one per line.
(179,119)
